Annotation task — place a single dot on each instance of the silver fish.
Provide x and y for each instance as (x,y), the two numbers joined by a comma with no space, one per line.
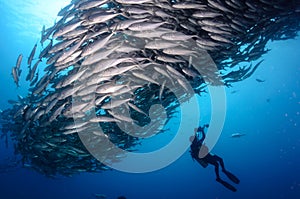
(30,58)
(15,76)
(160,44)
(114,103)
(67,28)
(71,50)
(96,45)
(103,119)
(144,26)
(33,70)
(18,64)
(91,4)
(177,36)
(132,2)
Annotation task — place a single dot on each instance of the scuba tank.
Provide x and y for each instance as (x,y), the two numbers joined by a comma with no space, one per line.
(201,161)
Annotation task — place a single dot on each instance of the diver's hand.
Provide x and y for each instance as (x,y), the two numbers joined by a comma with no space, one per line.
(195,130)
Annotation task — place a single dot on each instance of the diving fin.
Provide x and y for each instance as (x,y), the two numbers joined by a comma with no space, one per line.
(227,185)
(232,177)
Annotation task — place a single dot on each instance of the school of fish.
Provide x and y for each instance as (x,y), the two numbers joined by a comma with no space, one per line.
(108,61)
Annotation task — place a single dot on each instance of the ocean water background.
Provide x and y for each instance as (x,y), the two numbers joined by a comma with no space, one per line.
(266,160)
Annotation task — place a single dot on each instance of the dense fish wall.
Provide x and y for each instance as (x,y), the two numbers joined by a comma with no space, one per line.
(108,62)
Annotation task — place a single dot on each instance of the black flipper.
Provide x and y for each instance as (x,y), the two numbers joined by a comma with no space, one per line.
(232,177)
(227,185)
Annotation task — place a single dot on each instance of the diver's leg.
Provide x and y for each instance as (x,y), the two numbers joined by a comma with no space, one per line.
(212,160)
(227,173)
(220,160)
(217,170)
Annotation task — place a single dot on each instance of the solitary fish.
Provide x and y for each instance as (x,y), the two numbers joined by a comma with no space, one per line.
(260,80)
(237,135)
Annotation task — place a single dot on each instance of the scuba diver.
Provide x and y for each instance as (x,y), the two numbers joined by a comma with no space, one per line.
(199,152)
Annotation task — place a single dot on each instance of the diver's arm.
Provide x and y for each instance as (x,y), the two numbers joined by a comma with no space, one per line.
(202,131)
(203,136)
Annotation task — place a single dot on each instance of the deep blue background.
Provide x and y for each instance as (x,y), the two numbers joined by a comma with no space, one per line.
(266,160)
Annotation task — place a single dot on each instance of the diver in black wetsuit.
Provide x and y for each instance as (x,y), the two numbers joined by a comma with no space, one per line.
(209,158)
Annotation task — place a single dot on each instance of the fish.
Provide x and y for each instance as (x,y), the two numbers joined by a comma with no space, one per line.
(178,51)
(114,103)
(99,18)
(62,45)
(71,78)
(177,36)
(260,80)
(108,63)
(188,5)
(220,6)
(45,51)
(67,53)
(223,39)
(162,90)
(64,10)
(206,14)
(30,58)
(144,26)
(132,2)
(99,100)
(15,76)
(99,55)
(91,4)
(253,70)
(164,73)
(158,32)
(33,82)
(72,25)
(161,44)
(33,70)
(169,59)
(18,65)
(144,77)
(43,35)
(109,88)
(190,72)
(103,119)
(120,117)
(237,135)
(114,71)
(96,45)
(128,89)
(122,25)
(183,84)
(134,107)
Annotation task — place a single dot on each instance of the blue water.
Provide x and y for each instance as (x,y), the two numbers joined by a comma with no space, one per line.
(266,160)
